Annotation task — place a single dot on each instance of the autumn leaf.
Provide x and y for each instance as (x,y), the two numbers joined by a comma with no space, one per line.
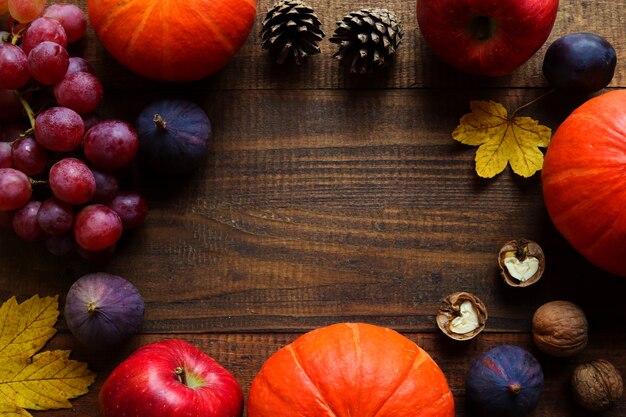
(25,328)
(47,380)
(46,383)
(10,410)
(502,139)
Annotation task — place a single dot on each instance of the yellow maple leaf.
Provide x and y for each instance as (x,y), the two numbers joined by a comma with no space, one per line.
(25,328)
(10,410)
(47,380)
(502,139)
(46,383)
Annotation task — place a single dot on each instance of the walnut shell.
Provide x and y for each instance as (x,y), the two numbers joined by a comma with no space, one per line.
(597,385)
(521,262)
(462,316)
(560,329)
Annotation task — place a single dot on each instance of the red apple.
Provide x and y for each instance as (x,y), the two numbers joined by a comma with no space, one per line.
(170,378)
(486,37)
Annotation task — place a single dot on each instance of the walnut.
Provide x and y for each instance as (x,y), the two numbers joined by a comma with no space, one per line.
(462,316)
(560,329)
(597,385)
(522,262)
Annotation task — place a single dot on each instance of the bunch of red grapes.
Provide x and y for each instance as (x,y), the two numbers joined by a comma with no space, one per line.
(60,177)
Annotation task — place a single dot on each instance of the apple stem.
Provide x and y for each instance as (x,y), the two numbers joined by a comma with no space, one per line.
(159,121)
(531,102)
(181,374)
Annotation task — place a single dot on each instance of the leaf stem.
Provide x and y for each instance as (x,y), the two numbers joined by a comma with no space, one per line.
(531,102)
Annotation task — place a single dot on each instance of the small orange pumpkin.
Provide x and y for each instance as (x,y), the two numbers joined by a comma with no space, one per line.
(172,40)
(584,180)
(350,369)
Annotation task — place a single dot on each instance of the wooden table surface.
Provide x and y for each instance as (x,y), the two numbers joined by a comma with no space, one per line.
(328,197)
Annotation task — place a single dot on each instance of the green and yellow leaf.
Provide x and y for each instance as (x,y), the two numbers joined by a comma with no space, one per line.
(502,140)
(25,328)
(48,382)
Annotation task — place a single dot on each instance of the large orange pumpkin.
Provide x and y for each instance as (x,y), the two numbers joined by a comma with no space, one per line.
(178,40)
(584,180)
(350,369)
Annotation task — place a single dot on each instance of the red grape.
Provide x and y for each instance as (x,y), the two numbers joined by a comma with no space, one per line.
(43,29)
(71,18)
(80,91)
(48,62)
(111,144)
(97,227)
(107,186)
(61,245)
(131,207)
(14,63)
(72,181)
(10,106)
(29,156)
(55,216)
(15,189)
(6,155)
(25,223)
(59,129)
(25,11)
(78,64)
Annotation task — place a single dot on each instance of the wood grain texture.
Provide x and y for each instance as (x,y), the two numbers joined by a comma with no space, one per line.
(326,198)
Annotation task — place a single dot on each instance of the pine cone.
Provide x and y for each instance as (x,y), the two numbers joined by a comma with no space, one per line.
(291,29)
(367,38)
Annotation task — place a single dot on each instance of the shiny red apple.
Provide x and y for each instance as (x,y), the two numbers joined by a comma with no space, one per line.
(486,37)
(170,378)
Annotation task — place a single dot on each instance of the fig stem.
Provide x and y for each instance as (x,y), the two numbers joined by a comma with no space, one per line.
(515,388)
(181,374)
(91,308)
(159,122)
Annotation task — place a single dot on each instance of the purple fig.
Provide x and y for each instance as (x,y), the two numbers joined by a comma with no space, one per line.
(505,381)
(103,310)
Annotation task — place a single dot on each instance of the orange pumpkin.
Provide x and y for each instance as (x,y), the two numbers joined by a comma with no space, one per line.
(584,180)
(172,40)
(350,369)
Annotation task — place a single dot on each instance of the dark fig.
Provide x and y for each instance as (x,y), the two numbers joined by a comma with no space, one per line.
(174,136)
(103,310)
(504,381)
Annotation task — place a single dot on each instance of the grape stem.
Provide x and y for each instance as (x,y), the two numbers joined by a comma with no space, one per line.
(29,110)
(531,102)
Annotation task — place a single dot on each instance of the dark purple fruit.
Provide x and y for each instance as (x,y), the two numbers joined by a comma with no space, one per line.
(103,310)
(174,136)
(580,62)
(505,381)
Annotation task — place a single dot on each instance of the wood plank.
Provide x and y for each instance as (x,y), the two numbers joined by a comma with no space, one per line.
(243,355)
(414,66)
(298,220)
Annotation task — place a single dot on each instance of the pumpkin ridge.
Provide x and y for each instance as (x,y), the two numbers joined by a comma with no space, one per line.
(607,230)
(298,363)
(414,365)
(139,28)
(215,34)
(120,9)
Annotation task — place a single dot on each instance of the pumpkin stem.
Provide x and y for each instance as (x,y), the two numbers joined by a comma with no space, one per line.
(159,122)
